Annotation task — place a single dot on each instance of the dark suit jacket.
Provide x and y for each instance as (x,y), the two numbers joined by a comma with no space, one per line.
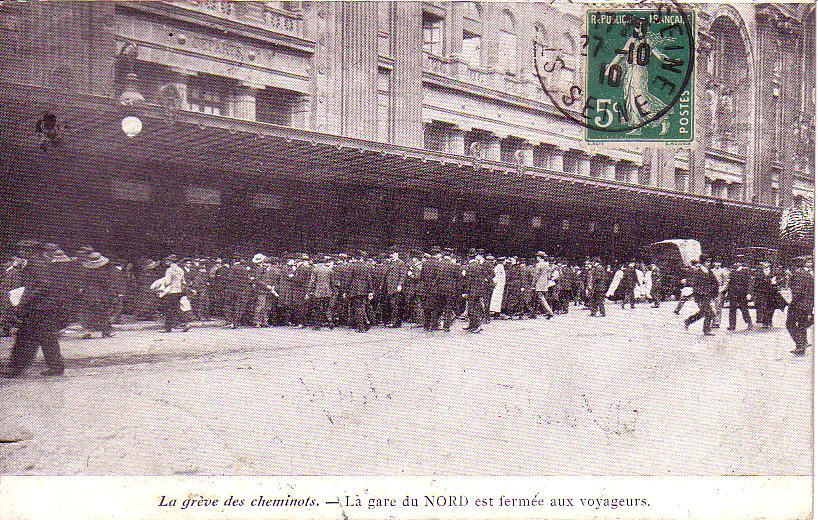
(359,280)
(802,285)
(740,284)
(476,281)
(395,275)
(432,272)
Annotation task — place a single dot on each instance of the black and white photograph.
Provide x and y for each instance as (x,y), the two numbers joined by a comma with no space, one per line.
(406,238)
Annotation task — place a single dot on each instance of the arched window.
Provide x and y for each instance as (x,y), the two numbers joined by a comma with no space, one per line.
(472,11)
(432,34)
(730,94)
(472,34)
(507,59)
(569,57)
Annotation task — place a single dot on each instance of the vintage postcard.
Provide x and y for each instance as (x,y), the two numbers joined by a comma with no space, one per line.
(403,259)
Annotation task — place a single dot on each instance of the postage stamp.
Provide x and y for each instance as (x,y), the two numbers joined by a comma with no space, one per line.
(638,75)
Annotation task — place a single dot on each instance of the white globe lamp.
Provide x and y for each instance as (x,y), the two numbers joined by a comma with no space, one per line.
(131,125)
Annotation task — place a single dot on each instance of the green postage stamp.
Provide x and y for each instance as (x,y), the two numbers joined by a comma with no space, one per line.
(639,81)
(638,76)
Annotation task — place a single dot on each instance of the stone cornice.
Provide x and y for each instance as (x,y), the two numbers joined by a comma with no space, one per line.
(236,27)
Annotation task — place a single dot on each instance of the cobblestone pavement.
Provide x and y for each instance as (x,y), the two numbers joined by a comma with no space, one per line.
(630,394)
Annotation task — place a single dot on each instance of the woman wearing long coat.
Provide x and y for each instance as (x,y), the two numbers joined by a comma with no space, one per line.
(514,290)
(496,304)
(96,296)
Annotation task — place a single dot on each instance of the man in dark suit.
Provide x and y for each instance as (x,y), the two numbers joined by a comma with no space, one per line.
(596,287)
(431,287)
(739,288)
(40,312)
(800,312)
(358,290)
(394,281)
(705,289)
(451,288)
(475,287)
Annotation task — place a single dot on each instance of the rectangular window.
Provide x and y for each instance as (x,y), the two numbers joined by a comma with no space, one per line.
(137,191)
(472,44)
(200,195)
(384,106)
(206,99)
(266,201)
(570,163)
(681,180)
(432,34)
(277,106)
(536,222)
(434,137)
(431,213)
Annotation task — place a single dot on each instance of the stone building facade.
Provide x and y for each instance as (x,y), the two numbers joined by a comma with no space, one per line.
(443,81)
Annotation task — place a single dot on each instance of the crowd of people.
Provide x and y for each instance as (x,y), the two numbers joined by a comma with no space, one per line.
(355,289)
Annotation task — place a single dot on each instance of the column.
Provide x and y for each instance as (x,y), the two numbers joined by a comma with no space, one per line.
(244,102)
(177,83)
(608,167)
(353,61)
(301,108)
(457,141)
(584,164)
(491,148)
(525,154)
(697,161)
(556,160)
(791,84)
(763,128)
(407,73)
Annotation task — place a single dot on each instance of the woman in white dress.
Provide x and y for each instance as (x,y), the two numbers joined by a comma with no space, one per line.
(496,304)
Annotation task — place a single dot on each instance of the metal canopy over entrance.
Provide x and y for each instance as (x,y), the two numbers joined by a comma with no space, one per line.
(255,150)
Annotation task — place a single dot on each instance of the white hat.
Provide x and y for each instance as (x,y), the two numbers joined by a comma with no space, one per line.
(259,258)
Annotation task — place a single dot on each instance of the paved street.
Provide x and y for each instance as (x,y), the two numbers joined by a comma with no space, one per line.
(631,394)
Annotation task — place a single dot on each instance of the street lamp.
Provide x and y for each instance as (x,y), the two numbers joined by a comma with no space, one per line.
(131,125)
(131,96)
